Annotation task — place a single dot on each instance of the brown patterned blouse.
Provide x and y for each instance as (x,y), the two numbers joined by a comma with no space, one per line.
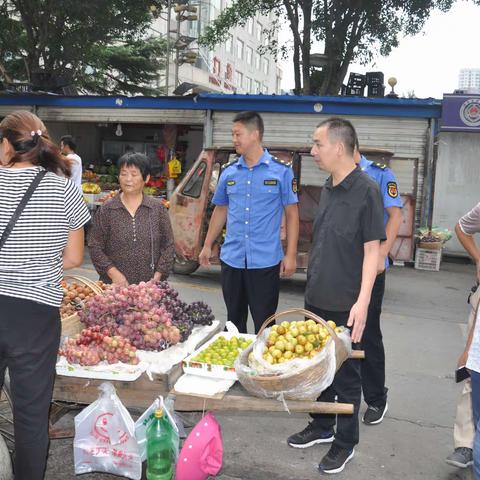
(132,244)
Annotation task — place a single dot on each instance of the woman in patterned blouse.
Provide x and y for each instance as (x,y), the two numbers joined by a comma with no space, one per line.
(131,238)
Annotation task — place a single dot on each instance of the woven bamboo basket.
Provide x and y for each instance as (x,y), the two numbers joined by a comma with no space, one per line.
(262,385)
(71,325)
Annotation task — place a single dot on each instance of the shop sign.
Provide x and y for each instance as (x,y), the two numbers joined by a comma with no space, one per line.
(460,113)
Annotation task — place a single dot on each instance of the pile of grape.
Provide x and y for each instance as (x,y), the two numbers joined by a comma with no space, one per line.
(177,309)
(135,313)
(94,345)
(74,297)
(222,351)
(200,313)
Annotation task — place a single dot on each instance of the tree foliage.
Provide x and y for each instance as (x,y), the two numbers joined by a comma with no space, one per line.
(99,46)
(349,30)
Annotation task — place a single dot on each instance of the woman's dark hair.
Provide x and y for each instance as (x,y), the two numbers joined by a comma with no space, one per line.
(31,142)
(135,159)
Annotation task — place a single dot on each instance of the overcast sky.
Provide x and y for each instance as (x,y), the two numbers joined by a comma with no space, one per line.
(428,63)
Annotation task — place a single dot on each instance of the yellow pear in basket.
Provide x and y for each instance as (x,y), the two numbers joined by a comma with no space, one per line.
(274,328)
(276,353)
(280,345)
(288,355)
(292,324)
(285,325)
(311,338)
(281,330)
(299,349)
(302,340)
(302,329)
(308,347)
(289,347)
(332,324)
(294,332)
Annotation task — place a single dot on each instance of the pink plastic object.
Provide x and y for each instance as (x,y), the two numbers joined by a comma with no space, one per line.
(202,453)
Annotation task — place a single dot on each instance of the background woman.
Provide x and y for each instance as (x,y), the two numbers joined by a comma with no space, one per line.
(131,238)
(47,238)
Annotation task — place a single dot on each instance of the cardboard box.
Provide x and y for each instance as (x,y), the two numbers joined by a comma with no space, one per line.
(426,259)
(213,371)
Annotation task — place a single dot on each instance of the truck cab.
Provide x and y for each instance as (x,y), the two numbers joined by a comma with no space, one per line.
(191,207)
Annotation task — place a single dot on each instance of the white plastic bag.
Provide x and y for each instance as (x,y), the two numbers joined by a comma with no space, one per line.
(105,438)
(145,420)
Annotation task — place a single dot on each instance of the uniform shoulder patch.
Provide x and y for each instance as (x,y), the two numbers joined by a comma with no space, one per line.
(392,189)
(380,165)
(231,162)
(282,162)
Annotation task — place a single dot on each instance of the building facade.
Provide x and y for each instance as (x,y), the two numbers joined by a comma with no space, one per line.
(241,64)
(469,78)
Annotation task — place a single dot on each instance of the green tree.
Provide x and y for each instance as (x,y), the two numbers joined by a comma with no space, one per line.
(98,46)
(349,30)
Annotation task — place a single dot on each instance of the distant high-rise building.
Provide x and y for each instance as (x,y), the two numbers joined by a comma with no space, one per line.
(241,64)
(469,78)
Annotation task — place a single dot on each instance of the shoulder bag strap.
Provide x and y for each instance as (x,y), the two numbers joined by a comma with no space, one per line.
(21,206)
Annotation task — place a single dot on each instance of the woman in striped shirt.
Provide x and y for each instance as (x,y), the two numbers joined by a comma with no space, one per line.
(46,239)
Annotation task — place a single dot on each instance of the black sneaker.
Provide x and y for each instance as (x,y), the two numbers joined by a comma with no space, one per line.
(462,457)
(336,459)
(309,436)
(374,415)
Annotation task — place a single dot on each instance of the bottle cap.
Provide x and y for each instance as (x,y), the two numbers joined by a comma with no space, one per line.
(159,413)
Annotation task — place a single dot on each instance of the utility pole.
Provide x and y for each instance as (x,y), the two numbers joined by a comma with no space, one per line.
(167,67)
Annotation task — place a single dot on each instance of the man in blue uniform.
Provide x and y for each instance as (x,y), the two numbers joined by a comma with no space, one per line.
(252,193)
(373,367)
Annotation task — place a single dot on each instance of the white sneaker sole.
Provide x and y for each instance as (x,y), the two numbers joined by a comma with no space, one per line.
(376,422)
(313,442)
(458,464)
(340,469)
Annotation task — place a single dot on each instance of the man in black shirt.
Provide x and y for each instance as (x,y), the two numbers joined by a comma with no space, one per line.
(342,268)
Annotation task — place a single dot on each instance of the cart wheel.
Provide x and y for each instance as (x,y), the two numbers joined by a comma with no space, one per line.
(184,267)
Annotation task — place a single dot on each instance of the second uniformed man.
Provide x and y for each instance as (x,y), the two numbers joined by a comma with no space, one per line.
(252,194)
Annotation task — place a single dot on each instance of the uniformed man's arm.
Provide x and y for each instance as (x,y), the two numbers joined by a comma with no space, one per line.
(391,230)
(217,222)
(393,205)
(289,263)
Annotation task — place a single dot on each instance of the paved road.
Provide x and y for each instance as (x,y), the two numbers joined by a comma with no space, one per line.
(423,323)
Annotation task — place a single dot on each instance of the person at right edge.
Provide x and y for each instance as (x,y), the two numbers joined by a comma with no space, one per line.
(373,366)
(464,429)
(342,268)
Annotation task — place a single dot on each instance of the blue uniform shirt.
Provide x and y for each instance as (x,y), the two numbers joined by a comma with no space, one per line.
(387,183)
(255,198)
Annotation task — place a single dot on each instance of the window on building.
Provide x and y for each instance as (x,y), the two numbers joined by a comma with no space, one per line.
(265,66)
(239,79)
(228,43)
(216,66)
(258,61)
(249,55)
(229,72)
(248,85)
(258,32)
(250,26)
(240,49)
(257,87)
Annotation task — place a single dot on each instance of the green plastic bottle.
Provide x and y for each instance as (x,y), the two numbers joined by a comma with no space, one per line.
(160,458)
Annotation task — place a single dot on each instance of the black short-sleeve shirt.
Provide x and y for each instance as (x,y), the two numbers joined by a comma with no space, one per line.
(349,215)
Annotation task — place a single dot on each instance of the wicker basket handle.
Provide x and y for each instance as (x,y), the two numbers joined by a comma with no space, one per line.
(297,311)
(89,283)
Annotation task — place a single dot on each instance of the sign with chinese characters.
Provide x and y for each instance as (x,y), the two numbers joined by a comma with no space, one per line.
(460,113)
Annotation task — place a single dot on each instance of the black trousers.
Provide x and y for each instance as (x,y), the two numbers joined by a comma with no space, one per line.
(346,386)
(254,288)
(373,366)
(29,339)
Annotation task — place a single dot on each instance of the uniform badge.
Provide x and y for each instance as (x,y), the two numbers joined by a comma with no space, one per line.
(392,189)
(231,182)
(294,185)
(270,182)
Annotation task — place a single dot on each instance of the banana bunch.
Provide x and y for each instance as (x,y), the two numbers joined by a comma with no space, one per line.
(90,188)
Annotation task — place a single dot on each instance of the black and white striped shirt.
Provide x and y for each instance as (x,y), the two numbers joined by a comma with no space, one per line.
(31,264)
